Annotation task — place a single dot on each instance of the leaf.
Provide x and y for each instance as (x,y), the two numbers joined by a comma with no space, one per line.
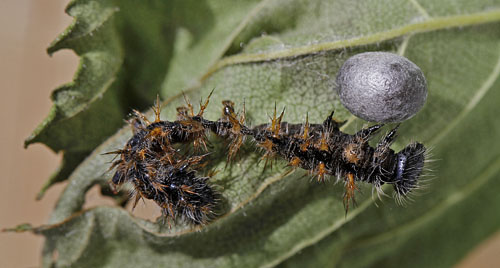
(127,52)
(287,52)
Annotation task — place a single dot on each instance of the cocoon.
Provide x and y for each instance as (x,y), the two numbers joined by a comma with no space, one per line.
(381,87)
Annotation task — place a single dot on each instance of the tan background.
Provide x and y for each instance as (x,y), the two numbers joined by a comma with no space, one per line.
(27,76)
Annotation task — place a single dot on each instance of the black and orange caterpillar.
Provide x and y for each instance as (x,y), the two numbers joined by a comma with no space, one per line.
(158,171)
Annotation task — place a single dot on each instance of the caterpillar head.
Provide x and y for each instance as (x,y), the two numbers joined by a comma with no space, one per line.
(409,166)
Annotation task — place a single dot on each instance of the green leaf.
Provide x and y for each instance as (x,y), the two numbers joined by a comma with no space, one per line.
(129,53)
(287,52)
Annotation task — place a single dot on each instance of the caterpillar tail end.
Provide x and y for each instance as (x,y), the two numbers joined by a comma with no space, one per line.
(409,167)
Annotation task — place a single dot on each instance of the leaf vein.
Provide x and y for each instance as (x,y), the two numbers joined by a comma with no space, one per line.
(432,24)
(420,9)
(449,201)
(485,87)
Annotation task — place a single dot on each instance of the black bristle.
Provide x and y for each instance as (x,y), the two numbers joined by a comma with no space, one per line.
(158,171)
(409,167)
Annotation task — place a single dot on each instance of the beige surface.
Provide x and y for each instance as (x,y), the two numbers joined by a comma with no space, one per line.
(27,76)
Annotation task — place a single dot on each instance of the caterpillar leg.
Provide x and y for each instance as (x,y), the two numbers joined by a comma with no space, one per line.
(367,133)
(382,151)
(388,139)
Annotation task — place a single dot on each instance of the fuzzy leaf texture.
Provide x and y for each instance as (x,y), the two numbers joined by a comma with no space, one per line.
(288,52)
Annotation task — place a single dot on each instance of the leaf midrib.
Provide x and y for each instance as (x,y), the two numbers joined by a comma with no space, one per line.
(429,24)
(270,180)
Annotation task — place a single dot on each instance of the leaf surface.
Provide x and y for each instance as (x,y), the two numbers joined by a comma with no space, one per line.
(284,52)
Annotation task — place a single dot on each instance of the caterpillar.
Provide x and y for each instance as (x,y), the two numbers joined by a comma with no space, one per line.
(324,150)
(158,170)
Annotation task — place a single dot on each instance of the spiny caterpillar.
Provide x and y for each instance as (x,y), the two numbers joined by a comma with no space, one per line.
(158,171)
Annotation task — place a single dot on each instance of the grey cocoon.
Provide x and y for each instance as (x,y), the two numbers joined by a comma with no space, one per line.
(381,87)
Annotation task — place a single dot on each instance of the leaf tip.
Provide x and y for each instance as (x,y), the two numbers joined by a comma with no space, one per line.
(35,135)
